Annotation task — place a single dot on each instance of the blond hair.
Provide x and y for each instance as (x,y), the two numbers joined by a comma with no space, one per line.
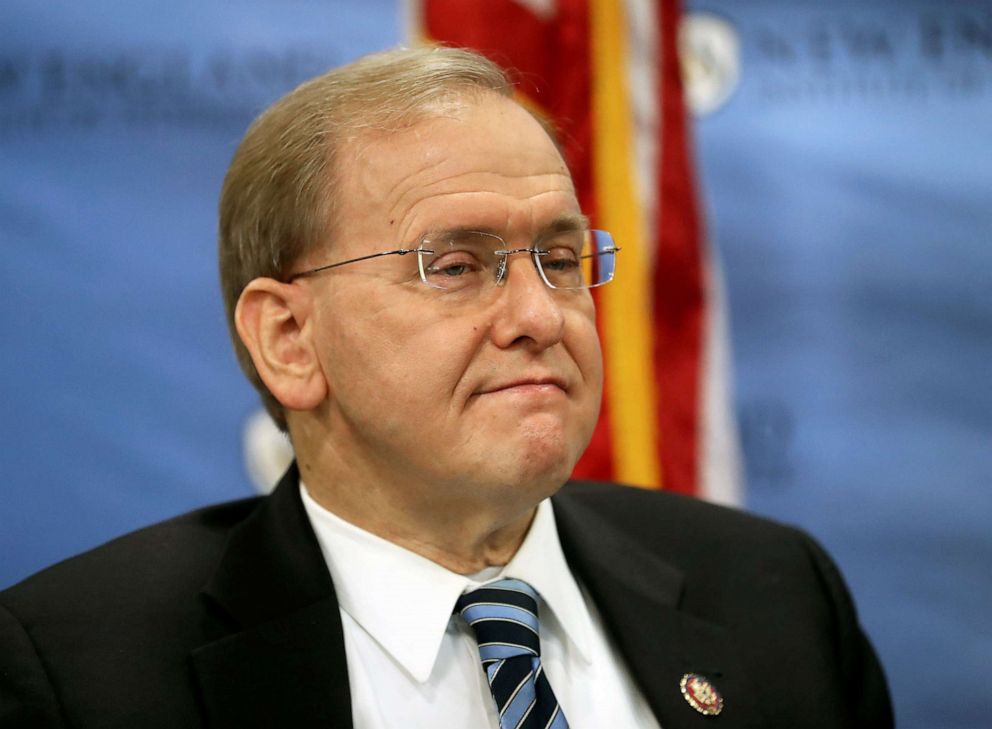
(278,198)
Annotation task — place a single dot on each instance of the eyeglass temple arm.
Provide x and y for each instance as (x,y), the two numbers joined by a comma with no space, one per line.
(320,269)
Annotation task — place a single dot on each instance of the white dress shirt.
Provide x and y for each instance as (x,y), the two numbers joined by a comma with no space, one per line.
(412,664)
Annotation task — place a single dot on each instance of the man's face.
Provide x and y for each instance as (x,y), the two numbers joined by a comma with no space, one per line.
(446,398)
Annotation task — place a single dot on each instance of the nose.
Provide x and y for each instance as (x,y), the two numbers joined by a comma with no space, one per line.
(527,312)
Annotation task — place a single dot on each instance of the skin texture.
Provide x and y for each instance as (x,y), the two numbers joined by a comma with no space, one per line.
(436,422)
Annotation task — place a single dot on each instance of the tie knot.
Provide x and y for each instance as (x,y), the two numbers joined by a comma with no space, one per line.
(503,616)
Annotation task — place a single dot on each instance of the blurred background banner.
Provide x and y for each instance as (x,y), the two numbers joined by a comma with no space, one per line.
(846,155)
(845,160)
(122,401)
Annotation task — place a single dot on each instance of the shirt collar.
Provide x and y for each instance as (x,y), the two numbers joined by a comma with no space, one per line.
(405,601)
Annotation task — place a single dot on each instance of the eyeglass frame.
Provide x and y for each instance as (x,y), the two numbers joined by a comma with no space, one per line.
(500,268)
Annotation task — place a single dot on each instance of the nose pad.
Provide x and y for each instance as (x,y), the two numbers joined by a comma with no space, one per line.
(503,264)
(500,268)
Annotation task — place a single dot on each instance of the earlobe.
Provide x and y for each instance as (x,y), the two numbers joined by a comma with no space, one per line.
(274,322)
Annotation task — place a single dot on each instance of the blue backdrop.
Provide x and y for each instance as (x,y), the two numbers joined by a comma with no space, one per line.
(847,176)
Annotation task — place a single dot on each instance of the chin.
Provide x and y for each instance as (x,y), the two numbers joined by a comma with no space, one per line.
(545,459)
(533,454)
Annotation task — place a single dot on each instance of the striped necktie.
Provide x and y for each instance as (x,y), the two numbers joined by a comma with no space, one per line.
(503,616)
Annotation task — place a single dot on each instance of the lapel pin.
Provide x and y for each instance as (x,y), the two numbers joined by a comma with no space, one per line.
(701,694)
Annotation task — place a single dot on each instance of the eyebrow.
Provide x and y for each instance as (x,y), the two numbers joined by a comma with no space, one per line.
(568,221)
(559,224)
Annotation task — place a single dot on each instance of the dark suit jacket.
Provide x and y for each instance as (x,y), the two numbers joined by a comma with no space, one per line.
(227,617)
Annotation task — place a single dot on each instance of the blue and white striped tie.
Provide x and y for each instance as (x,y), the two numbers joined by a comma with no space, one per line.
(503,616)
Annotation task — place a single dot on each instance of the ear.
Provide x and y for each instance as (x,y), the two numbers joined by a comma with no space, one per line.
(274,322)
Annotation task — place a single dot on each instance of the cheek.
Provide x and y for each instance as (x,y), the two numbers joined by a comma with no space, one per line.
(353,345)
(440,358)
(397,356)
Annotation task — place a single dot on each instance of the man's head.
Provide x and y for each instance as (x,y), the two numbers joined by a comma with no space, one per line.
(380,374)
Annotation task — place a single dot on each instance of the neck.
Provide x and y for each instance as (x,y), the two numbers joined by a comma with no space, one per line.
(449,525)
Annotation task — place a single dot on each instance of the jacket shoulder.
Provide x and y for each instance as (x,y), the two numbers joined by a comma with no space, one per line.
(100,638)
(172,556)
(668,514)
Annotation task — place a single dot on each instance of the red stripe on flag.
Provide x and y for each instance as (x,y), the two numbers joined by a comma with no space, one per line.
(678,276)
(505,31)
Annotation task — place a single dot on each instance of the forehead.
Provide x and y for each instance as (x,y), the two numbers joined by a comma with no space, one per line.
(484,161)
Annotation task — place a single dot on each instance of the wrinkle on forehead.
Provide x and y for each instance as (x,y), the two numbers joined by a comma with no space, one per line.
(492,146)
(428,185)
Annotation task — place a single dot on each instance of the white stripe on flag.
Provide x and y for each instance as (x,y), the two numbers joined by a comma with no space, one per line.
(719,450)
(642,78)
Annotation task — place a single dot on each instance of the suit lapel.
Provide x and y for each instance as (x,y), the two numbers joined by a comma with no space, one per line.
(638,595)
(281,662)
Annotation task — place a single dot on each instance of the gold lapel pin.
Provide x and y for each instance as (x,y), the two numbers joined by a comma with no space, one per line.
(701,694)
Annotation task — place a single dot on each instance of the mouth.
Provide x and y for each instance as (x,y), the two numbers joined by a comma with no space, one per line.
(527,385)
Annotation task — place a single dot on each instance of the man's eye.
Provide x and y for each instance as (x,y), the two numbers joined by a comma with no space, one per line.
(451,270)
(453,266)
(562,260)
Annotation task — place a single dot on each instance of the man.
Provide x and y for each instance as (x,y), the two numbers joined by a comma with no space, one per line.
(407,273)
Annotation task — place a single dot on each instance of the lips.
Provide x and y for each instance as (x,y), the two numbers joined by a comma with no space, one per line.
(537,383)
